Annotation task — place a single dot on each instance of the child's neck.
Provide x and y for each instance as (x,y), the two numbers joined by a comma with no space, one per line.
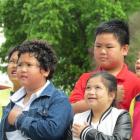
(96,117)
(116,70)
(34,88)
(26,98)
(98,112)
(16,87)
(29,94)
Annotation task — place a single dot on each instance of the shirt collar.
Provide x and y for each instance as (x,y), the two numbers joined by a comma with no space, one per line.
(21,93)
(120,75)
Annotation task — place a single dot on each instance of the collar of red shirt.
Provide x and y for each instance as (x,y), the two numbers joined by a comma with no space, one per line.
(120,76)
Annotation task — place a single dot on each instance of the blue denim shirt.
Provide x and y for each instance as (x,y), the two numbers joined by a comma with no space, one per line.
(48,118)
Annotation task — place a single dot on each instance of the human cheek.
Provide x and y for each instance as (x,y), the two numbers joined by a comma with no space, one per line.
(112,56)
(96,51)
(8,70)
(86,95)
(97,57)
(18,74)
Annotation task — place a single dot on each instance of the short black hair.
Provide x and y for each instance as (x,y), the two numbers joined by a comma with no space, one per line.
(11,51)
(117,27)
(109,81)
(43,52)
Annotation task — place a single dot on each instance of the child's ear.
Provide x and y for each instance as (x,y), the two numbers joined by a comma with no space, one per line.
(46,73)
(112,95)
(125,49)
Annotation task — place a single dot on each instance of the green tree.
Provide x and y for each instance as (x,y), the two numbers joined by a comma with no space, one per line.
(66,24)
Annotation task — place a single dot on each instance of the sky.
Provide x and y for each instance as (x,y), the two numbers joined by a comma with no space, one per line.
(3,76)
(2,38)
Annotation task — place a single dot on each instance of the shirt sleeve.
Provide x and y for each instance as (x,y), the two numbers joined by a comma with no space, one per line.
(50,124)
(77,93)
(122,130)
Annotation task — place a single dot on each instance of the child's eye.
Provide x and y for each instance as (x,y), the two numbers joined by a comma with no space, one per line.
(11,61)
(98,46)
(109,47)
(29,65)
(88,87)
(97,87)
(19,65)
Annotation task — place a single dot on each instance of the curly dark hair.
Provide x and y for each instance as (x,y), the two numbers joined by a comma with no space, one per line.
(43,52)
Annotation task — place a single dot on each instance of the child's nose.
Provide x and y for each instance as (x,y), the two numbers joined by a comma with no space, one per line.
(103,50)
(93,91)
(138,61)
(23,68)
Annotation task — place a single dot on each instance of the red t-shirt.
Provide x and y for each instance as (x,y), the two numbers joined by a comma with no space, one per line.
(125,77)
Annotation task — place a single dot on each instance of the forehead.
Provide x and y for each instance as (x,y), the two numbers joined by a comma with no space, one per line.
(95,80)
(27,56)
(106,37)
(14,55)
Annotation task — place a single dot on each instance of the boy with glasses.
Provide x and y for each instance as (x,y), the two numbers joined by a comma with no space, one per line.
(38,110)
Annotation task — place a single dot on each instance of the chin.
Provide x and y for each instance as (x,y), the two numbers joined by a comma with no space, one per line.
(106,67)
(138,73)
(14,80)
(91,105)
(23,84)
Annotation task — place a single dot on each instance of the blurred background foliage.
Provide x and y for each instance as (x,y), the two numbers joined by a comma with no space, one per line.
(69,26)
